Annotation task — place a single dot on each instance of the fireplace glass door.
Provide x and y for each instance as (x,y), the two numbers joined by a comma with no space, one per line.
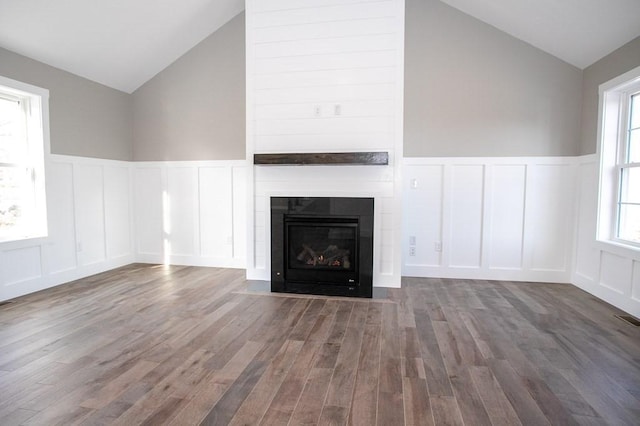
(321,249)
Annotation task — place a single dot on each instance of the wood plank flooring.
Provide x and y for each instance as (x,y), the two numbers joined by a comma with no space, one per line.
(155,345)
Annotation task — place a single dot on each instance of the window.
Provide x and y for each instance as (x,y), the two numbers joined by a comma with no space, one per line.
(628,227)
(619,213)
(22,148)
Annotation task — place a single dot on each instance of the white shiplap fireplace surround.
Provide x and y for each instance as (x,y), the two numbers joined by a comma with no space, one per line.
(326,77)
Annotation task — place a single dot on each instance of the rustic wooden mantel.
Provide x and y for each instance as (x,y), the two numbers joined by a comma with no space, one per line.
(323,158)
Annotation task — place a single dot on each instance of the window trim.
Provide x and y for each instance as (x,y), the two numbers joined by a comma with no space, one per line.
(612,128)
(39,139)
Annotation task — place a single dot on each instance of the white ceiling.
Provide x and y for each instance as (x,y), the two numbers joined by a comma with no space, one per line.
(119,43)
(124,43)
(577,31)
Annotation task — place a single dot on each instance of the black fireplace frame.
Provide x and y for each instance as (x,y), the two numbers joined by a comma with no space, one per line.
(361,210)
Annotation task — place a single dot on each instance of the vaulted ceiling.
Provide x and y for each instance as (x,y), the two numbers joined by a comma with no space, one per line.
(577,31)
(124,43)
(119,43)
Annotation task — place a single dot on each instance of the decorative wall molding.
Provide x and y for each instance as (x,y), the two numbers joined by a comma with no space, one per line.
(489,218)
(90,228)
(104,214)
(521,219)
(191,213)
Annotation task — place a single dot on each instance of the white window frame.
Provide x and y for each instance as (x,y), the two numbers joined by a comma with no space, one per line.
(613,113)
(35,100)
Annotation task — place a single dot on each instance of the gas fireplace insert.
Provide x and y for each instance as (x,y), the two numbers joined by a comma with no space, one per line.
(322,245)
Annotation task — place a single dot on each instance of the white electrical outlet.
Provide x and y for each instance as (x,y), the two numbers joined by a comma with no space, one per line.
(317,111)
(414,183)
(412,251)
(337,109)
(437,246)
(412,240)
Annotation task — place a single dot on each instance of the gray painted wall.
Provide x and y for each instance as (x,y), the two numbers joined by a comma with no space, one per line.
(616,63)
(195,108)
(86,118)
(472,90)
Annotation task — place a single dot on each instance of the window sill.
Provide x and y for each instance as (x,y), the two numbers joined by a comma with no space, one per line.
(13,243)
(619,248)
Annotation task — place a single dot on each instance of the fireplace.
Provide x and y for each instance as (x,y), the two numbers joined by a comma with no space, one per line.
(322,245)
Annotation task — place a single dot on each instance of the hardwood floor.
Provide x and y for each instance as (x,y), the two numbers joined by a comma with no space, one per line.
(185,345)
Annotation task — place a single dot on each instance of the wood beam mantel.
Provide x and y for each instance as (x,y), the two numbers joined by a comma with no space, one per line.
(323,158)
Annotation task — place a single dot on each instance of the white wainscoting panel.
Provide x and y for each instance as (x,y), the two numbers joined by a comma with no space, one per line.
(424,188)
(61,247)
(118,211)
(608,271)
(492,218)
(21,264)
(506,216)
(90,219)
(587,255)
(181,211)
(615,272)
(216,211)
(150,204)
(89,227)
(239,214)
(465,221)
(191,213)
(549,216)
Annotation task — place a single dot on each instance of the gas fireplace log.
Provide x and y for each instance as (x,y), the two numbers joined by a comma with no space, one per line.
(312,253)
(303,254)
(339,254)
(331,256)
(330,251)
